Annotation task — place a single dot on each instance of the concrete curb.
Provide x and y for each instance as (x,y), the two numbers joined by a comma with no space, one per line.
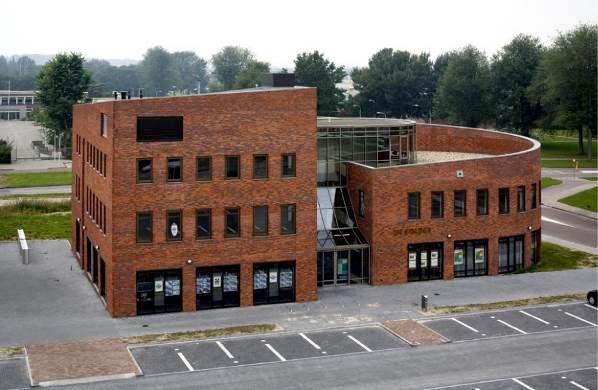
(570,245)
(91,379)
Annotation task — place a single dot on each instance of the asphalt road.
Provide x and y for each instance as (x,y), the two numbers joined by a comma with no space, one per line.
(574,228)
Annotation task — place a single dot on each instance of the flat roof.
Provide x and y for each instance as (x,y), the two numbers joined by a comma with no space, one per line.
(337,122)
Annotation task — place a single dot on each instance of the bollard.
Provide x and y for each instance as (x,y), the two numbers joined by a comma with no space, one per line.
(424,302)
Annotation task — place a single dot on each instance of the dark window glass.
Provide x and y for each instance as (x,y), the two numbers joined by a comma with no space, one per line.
(232,167)
(521,199)
(232,222)
(288,165)
(503,200)
(204,224)
(144,227)
(287,219)
(159,128)
(204,168)
(460,203)
(482,202)
(534,196)
(437,204)
(361,204)
(260,220)
(174,169)
(260,167)
(144,170)
(413,205)
(174,227)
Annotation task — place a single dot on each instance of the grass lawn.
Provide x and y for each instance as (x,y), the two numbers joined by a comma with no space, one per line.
(549,182)
(595,178)
(35,179)
(584,200)
(568,164)
(563,147)
(558,258)
(40,219)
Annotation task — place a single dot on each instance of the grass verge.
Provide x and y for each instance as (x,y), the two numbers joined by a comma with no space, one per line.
(559,258)
(35,179)
(63,195)
(10,352)
(594,178)
(549,182)
(581,163)
(587,200)
(40,219)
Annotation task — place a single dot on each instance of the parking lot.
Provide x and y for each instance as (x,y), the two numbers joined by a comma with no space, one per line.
(13,374)
(242,351)
(468,327)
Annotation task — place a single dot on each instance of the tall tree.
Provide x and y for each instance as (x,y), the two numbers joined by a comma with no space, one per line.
(61,83)
(190,70)
(158,72)
(252,75)
(228,63)
(463,93)
(513,69)
(314,70)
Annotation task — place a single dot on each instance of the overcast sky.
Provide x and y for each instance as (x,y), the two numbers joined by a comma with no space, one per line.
(348,31)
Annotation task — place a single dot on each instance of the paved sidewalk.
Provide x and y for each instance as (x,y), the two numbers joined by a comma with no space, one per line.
(35,190)
(22,166)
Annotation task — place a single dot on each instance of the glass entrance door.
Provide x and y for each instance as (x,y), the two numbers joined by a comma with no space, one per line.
(343,267)
(424,261)
(217,287)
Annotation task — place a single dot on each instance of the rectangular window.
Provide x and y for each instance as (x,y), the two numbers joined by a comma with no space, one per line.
(287,219)
(232,168)
(260,220)
(361,203)
(288,165)
(413,205)
(144,170)
(460,205)
(159,128)
(174,227)
(175,169)
(104,125)
(260,166)
(510,254)
(534,196)
(521,199)
(204,168)
(482,202)
(232,222)
(437,209)
(204,224)
(503,201)
(144,227)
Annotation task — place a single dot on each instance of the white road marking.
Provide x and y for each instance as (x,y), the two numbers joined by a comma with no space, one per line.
(226,351)
(185,361)
(522,384)
(359,343)
(555,221)
(511,326)
(589,171)
(591,307)
(534,317)
(581,319)
(316,346)
(578,385)
(275,352)
(465,325)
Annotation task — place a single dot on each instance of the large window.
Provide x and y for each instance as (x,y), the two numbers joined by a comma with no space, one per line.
(521,199)
(144,170)
(260,166)
(482,202)
(273,282)
(260,220)
(175,166)
(536,246)
(287,219)
(510,254)
(203,229)
(470,258)
(159,291)
(503,201)
(159,128)
(437,206)
(288,165)
(232,222)
(174,226)
(144,227)
(424,261)
(204,168)
(232,167)
(460,203)
(413,205)
(534,196)
(217,287)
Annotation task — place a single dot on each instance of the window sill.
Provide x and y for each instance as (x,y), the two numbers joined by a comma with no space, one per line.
(232,237)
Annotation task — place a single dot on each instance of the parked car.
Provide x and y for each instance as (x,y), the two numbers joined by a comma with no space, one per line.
(592,297)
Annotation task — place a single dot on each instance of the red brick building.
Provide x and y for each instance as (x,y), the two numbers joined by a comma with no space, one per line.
(245,197)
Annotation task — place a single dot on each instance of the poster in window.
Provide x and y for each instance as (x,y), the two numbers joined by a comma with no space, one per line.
(412,260)
(434,258)
(217,280)
(286,278)
(273,278)
(172,287)
(458,257)
(480,255)
(203,285)
(231,282)
(423,256)
(260,280)
(158,284)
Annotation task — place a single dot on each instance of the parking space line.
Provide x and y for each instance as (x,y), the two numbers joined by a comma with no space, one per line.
(465,325)
(578,385)
(185,361)
(275,352)
(579,318)
(511,326)
(591,307)
(316,346)
(226,351)
(522,384)
(534,317)
(359,343)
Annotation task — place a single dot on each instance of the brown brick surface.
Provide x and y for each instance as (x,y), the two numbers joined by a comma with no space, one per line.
(415,333)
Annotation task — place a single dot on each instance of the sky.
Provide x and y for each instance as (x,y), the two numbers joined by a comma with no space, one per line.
(348,32)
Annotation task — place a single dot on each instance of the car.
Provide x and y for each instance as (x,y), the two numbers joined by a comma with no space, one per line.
(592,297)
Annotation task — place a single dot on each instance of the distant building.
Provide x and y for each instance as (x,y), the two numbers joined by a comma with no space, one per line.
(16,104)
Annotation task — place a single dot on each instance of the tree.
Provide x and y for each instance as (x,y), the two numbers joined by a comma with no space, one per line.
(252,75)
(228,63)
(565,83)
(190,70)
(61,83)
(463,93)
(314,70)
(513,69)
(157,69)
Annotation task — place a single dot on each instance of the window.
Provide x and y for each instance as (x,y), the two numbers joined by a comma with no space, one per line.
(534,196)
(144,227)
(503,201)
(232,169)
(260,220)
(482,202)
(260,166)
(174,169)
(203,224)
(470,258)
(413,205)
(437,208)
(174,227)
(104,125)
(361,203)
(287,219)
(144,170)
(521,199)
(204,168)
(460,206)
(232,222)
(288,165)
(510,254)
(159,128)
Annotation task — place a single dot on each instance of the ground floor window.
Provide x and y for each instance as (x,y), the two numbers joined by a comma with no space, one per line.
(273,282)
(78,237)
(217,287)
(510,254)
(159,291)
(102,278)
(88,255)
(536,246)
(424,261)
(470,258)
(344,267)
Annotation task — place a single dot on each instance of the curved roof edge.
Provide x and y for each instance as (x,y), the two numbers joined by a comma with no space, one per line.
(348,122)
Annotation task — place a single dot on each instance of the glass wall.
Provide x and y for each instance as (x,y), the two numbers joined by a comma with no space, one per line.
(344,267)
(470,258)
(217,287)
(273,282)
(424,261)
(159,291)
(510,254)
